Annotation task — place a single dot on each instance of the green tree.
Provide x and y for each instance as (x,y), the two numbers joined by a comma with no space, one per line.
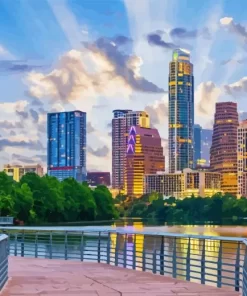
(6,205)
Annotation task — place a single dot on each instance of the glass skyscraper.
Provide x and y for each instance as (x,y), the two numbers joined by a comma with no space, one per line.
(197,144)
(66,145)
(181,111)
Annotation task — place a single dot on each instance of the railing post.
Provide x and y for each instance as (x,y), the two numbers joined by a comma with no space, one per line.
(174,258)
(82,246)
(117,249)
(22,245)
(162,246)
(66,246)
(237,268)
(134,253)
(188,261)
(144,254)
(51,245)
(99,247)
(125,250)
(16,239)
(108,250)
(203,261)
(219,267)
(36,245)
(245,272)
(154,261)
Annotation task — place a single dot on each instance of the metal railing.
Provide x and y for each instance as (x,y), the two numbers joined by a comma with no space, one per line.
(218,261)
(3,260)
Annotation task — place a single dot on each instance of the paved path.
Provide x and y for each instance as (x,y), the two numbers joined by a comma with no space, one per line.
(44,277)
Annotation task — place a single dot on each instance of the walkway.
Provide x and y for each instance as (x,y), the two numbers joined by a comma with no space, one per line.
(32,277)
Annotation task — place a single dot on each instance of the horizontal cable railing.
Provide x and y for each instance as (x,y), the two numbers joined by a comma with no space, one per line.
(218,261)
(3,260)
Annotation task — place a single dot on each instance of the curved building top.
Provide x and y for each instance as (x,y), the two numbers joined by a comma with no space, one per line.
(181,55)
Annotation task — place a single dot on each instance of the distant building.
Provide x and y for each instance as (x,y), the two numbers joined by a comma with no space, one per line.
(144,156)
(242,159)
(181,111)
(121,123)
(197,144)
(184,184)
(206,142)
(66,145)
(98,178)
(17,171)
(223,152)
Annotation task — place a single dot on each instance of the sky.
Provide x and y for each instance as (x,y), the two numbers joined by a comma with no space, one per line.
(100,55)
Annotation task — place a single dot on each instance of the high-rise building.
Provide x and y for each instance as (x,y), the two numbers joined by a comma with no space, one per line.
(121,123)
(206,142)
(242,159)
(197,144)
(17,171)
(184,184)
(66,145)
(223,152)
(181,111)
(144,156)
(98,178)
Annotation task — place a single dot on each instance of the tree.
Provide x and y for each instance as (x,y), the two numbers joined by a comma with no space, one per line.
(6,205)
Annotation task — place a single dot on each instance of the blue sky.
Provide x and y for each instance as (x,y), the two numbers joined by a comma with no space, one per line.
(100,55)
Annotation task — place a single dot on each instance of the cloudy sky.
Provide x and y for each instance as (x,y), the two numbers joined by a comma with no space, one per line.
(100,55)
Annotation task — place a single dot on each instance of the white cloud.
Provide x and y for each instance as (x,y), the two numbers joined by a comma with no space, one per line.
(238,88)
(5,54)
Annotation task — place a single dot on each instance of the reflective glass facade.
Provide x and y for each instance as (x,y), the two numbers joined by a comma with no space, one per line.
(181,111)
(197,144)
(206,142)
(66,145)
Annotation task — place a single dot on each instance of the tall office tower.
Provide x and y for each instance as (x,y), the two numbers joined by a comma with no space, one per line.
(66,145)
(144,156)
(206,142)
(197,144)
(242,159)
(223,152)
(181,111)
(121,123)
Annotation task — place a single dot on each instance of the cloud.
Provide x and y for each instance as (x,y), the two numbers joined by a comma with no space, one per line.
(99,152)
(34,114)
(90,128)
(183,33)
(159,111)
(236,29)
(33,145)
(8,124)
(156,40)
(35,159)
(206,95)
(22,114)
(14,66)
(237,88)
(12,133)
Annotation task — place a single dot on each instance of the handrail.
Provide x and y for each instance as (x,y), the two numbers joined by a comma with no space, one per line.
(218,261)
(3,260)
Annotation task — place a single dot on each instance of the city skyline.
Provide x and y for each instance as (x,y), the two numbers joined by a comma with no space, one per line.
(83,61)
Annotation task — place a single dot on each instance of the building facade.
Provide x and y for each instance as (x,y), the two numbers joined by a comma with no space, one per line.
(144,156)
(17,171)
(184,184)
(197,144)
(99,178)
(223,152)
(121,123)
(206,142)
(242,159)
(66,145)
(181,111)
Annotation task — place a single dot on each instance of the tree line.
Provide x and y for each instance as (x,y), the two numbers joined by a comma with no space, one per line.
(44,199)
(218,209)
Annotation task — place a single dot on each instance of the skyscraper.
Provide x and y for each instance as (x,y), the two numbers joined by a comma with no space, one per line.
(144,156)
(66,145)
(121,123)
(181,111)
(206,142)
(242,159)
(197,143)
(223,152)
